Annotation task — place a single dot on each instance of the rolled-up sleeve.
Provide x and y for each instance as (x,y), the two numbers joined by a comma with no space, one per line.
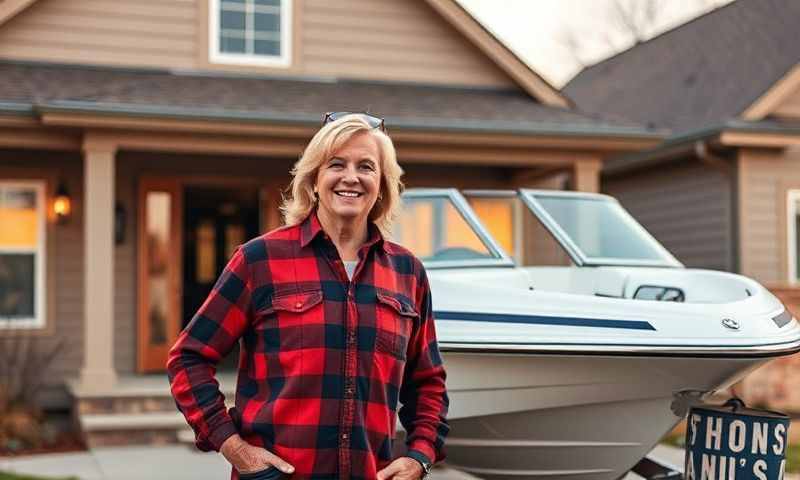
(423,395)
(209,336)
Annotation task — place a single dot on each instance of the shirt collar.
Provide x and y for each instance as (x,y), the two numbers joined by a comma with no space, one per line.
(311,227)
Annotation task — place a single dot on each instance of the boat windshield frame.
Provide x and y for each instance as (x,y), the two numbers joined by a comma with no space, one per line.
(499,257)
(529,199)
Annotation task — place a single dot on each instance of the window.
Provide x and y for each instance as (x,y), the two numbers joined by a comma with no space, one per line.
(792,224)
(22,256)
(250,32)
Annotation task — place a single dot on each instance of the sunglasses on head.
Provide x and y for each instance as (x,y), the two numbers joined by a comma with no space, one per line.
(372,121)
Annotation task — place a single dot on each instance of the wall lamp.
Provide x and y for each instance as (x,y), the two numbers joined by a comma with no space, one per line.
(62,206)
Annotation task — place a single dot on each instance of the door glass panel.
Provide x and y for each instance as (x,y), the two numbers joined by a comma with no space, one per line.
(234,236)
(158,221)
(206,269)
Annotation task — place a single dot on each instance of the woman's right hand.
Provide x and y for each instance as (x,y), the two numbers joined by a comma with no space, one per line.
(247,458)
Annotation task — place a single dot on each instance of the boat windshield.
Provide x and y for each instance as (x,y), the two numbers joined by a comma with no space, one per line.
(438,226)
(596,230)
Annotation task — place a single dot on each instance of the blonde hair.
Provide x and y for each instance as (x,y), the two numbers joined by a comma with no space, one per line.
(325,143)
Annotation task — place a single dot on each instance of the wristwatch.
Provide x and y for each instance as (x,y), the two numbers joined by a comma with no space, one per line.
(426,467)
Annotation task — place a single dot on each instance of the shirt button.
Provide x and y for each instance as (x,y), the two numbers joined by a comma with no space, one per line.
(344,436)
(298,304)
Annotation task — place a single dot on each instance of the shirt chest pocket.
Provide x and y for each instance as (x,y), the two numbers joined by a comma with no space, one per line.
(394,324)
(292,321)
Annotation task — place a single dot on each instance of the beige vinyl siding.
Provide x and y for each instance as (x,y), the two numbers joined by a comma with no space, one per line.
(149,33)
(65,257)
(388,40)
(686,206)
(125,289)
(765,177)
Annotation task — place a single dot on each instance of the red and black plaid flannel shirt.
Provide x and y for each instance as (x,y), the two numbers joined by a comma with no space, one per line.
(324,360)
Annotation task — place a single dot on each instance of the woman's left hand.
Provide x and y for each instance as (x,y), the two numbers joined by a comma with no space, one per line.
(402,468)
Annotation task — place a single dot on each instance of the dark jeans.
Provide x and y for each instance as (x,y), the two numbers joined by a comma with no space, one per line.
(270,473)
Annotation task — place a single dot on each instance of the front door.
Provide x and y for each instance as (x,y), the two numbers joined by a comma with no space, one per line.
(159,270)
(216,221)
(188,229)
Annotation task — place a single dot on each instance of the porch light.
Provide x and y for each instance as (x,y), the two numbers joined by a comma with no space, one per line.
(62,206)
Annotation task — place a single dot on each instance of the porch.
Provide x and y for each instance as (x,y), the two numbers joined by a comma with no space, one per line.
(136,409)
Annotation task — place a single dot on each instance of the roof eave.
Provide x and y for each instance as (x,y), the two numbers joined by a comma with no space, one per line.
(731,134)
(17,109)
(306,120)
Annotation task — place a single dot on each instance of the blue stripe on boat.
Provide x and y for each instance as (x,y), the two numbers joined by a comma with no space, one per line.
(543,320)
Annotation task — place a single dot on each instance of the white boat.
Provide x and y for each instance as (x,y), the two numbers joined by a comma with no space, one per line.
(576,370)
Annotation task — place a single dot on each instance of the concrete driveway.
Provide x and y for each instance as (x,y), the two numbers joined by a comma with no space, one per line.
(178,462)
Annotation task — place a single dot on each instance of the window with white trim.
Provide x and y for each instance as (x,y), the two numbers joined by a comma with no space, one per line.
(22,254)
(250,32)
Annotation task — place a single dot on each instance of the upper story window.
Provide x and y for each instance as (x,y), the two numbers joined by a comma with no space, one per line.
(22,254)
(250,32)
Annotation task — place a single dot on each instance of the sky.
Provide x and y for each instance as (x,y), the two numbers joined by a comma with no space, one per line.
(537,29)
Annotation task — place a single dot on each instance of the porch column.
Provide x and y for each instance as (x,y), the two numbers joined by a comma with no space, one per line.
(98,358)
(586,175)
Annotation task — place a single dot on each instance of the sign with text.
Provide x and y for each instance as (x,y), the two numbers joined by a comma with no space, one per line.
(731,442)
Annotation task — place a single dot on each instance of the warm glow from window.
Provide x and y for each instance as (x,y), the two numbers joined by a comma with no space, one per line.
(416,224)
(206,252)
(20,227)
(434,230)
(458,233)
(22,262)
(497,214)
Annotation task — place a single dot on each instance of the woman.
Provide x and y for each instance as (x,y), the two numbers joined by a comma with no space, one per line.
(335,324)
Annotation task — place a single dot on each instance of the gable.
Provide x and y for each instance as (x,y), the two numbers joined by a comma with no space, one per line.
(789,109)
(421,41)
(9,8)
(402,40)
(781,101)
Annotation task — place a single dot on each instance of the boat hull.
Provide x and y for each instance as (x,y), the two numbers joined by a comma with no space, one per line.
(588,417)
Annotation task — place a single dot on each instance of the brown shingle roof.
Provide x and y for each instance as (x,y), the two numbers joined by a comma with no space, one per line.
(303,100)
(702,73)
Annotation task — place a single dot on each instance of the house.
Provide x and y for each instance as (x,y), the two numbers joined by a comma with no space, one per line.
(723,189)
(141,141)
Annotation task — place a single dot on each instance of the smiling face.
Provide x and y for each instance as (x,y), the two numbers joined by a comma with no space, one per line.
(349,182)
